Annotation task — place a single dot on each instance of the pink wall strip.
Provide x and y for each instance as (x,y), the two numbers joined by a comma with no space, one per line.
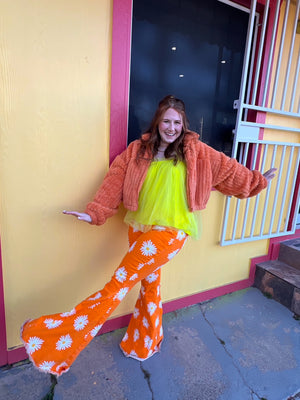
(16,355)
(206,295)
(120,76)
(3,342)
(294,210)
(274,245)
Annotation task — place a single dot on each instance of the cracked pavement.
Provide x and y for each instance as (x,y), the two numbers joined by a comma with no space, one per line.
(241,346)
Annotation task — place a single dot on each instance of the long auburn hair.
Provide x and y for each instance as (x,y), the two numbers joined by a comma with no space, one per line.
(152,143)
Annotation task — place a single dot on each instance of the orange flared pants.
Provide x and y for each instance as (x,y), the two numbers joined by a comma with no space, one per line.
(54,341)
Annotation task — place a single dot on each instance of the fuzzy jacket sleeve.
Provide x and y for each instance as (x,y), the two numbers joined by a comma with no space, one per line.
(110,194)
(233,179)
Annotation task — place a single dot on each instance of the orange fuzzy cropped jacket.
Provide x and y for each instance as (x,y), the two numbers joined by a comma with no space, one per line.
(206,169)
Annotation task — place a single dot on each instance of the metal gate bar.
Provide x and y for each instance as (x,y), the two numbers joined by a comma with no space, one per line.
(275,203)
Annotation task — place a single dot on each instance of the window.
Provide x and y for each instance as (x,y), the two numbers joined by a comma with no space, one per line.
(194,50)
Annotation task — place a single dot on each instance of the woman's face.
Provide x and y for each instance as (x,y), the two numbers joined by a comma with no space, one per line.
(170,127)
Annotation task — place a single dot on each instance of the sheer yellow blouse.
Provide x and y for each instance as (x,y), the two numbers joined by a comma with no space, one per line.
(163,202)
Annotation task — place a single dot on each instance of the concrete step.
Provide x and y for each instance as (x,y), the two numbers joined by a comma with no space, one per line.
(281,282)
(289,252)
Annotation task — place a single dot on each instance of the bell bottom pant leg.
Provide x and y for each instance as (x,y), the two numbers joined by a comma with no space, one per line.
(53,342)
(144,334)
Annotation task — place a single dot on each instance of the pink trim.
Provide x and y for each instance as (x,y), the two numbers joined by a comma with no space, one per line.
(253,263)
(206,295)
(16,355)
(295,211)
(3,341)
(120,75)
(274,246)
(115,323)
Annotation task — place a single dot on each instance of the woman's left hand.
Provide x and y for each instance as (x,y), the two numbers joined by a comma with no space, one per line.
(81,216)
(270,174)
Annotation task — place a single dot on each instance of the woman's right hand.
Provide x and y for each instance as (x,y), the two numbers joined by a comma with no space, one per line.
(81,216)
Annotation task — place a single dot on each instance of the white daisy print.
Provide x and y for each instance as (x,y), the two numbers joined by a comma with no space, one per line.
(52,323)
(140,266)
(180,235)
(96,297)
(125,338)
(131,247)
(34,343)
(95,330)
(171,241)
(151,278)
(173,254)
(160,304)
(133,353)
(108,311)
(68,313)
(150,261)
(148,248)
(142,290)
(121,293)
(148,342)
(161,331)
(151,307)
(156,322)
(94,305)
(145,322)
(46,366)
(80,322)
(121,274)
(136,335)
(64,342)
(158,290)
(136,312)
(133,277)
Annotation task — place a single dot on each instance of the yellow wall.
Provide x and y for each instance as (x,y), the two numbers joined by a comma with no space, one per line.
(54,127)
(279,120)
(284,64)
(54,107)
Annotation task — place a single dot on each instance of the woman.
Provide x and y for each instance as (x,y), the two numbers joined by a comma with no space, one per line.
(162,179)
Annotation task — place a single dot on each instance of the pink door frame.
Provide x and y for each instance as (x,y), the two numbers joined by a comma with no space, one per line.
(120,74)
(3,340)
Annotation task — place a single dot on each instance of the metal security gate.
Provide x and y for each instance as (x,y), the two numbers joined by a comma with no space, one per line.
(267,132)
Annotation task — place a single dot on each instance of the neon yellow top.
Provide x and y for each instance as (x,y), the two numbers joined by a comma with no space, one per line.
(162,200)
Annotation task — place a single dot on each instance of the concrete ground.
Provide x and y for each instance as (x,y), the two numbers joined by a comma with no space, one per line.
(242,346)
